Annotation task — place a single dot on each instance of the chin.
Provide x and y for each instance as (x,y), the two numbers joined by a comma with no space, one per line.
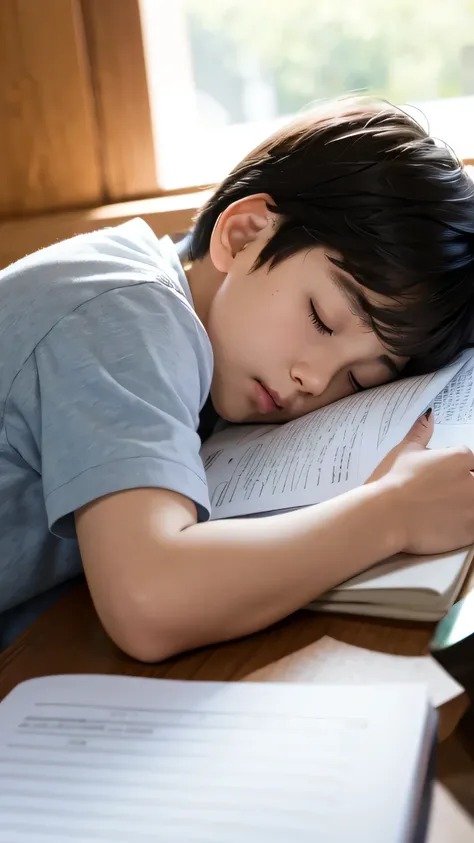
(233,416)
(227,407)
(250,417)
(224,408)
(236,408)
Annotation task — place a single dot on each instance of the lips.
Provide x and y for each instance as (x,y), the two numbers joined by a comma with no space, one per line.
(268,401)
(276,397)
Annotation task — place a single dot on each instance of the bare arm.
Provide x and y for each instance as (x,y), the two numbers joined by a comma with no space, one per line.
(162,583)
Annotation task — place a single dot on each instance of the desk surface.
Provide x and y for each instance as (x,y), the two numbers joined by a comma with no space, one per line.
(69,639)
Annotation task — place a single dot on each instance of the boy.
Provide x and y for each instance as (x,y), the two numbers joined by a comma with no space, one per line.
(337,255)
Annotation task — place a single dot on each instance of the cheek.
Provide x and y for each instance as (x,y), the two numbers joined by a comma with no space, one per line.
(337,389)
(225,316)
(283,320)
(254,317)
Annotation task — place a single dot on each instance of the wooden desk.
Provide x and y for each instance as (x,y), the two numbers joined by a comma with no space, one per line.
(69,639)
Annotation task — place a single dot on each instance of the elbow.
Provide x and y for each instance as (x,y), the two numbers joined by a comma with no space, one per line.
(149,650)
(146,633)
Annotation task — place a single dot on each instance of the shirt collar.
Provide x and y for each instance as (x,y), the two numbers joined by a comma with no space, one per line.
(174,253)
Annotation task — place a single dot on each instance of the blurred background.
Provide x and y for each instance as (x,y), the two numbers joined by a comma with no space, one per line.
(245,65)
(116,108)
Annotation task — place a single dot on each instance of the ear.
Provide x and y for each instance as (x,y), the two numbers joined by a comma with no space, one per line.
(243,222)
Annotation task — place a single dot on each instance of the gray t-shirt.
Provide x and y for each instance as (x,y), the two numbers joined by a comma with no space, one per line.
(104,369)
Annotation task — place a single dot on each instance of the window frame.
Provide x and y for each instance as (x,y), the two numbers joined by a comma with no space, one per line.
(122,180)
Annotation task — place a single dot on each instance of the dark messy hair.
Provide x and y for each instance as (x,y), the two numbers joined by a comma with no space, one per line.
(363,178)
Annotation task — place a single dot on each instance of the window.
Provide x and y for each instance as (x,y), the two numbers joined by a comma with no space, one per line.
(225,74)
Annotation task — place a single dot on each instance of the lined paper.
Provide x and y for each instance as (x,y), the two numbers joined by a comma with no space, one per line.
(266,468)
(123,759)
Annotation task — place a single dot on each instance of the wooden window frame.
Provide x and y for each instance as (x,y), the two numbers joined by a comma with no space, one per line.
(113,32)
(166,215)
(110,39)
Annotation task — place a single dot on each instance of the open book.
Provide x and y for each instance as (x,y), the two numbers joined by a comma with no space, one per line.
(261,469)
(126,760)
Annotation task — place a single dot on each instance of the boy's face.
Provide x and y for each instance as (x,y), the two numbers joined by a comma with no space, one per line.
(289,340)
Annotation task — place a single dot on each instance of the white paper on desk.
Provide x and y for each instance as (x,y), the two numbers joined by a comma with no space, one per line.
(336,663)
(127,760)
(448,820)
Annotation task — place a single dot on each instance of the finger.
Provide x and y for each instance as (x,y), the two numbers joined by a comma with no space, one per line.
(422,431)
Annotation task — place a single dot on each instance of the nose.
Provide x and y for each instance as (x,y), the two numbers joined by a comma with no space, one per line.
(313,379)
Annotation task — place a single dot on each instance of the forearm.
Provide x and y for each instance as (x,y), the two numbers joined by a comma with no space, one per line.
(229,578)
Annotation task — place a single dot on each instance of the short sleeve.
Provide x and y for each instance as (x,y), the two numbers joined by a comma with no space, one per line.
(121,382)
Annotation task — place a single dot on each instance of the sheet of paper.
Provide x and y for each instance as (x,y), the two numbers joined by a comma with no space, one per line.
(333,662)
(261,469)
(449,822)
(454,411)
(125,760)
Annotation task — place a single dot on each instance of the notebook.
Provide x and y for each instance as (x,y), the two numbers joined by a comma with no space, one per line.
(263,469)
(126,760)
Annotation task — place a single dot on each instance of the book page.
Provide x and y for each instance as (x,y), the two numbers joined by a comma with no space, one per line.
(425,577)
(454,411)
(115,759)
(259,469)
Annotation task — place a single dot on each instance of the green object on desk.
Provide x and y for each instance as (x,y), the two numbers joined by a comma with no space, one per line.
(452,644)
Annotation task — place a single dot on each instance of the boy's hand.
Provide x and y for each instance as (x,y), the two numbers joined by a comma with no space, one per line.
(432,491)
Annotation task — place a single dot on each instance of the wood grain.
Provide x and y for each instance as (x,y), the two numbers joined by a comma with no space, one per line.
(69,639)
(166,215)
(118,68)
(49,156)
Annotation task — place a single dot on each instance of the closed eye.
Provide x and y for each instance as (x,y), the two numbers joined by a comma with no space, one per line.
(318,322)
(356,386)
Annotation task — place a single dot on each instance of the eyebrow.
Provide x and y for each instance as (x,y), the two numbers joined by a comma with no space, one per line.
(358,306)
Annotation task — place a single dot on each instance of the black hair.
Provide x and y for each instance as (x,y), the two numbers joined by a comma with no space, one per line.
(363,178)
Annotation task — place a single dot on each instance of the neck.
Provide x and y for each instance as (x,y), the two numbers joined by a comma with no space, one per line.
(204,280)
